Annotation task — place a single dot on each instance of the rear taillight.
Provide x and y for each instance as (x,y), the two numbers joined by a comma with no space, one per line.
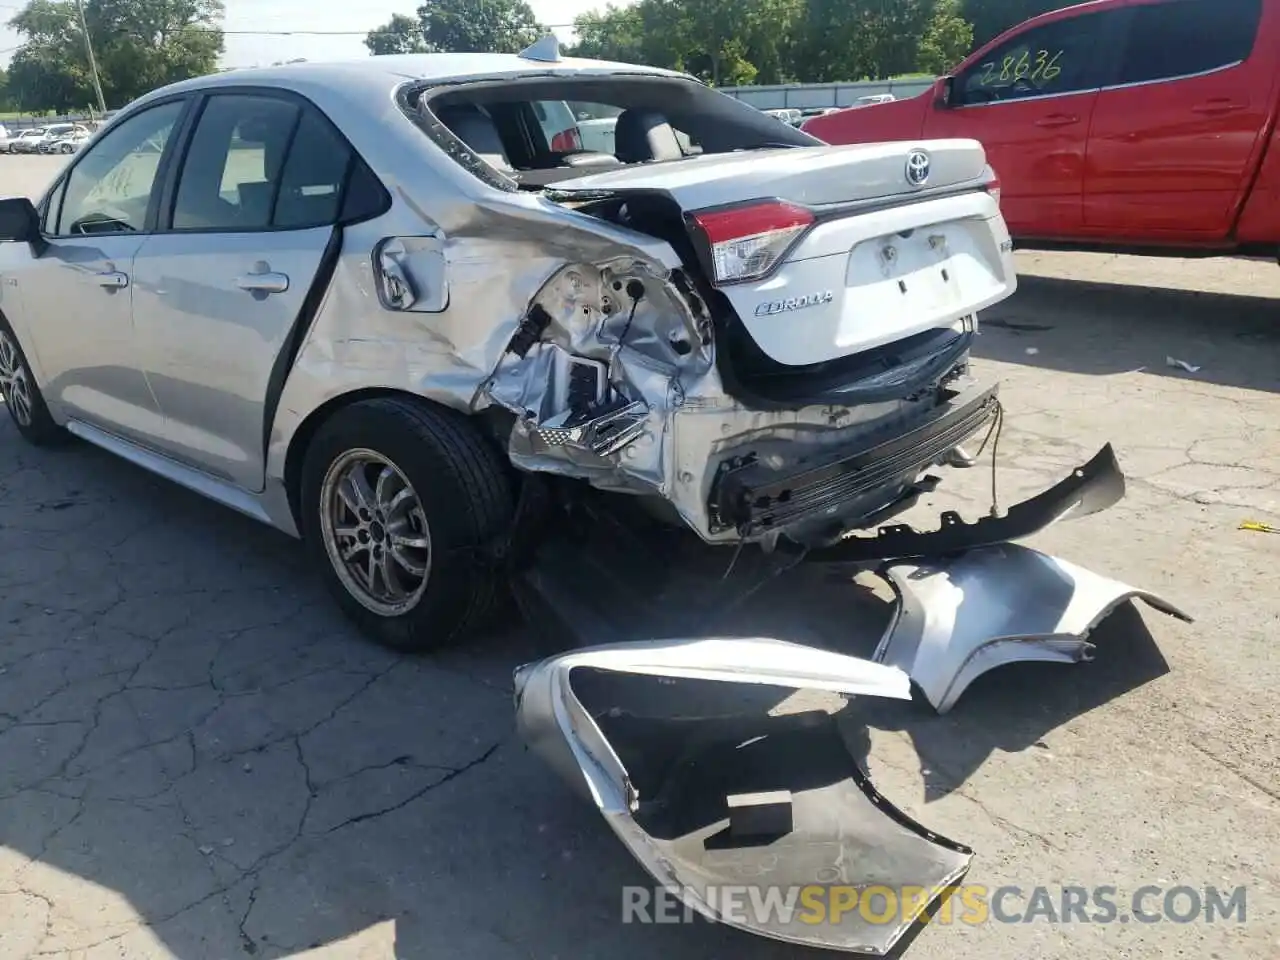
(993,187)
(566,141)
(746,242)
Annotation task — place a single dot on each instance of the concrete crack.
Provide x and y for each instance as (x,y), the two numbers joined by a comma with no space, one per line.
(453,774)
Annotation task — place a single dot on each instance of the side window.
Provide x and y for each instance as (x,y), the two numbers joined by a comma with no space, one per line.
(1055,58)
(258,163)
(1186,37)
(311,184)
(109,189)
(233,165)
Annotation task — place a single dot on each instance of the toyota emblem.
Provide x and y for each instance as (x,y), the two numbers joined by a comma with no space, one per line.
(917,168)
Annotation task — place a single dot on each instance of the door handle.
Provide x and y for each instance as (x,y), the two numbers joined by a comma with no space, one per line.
(1058,120)
(1217,107)
(263,282)
(112,279)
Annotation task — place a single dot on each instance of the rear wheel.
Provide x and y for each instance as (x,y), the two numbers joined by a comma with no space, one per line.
(403,505)
(22,397)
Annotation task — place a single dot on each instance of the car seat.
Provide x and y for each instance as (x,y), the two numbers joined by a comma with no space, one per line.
(643,135)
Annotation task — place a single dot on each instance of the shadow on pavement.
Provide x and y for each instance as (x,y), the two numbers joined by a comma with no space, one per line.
(1109,328)
(186,723)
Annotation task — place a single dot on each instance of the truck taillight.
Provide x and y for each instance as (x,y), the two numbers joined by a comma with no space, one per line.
(566,141)
(746,242)
(993,187)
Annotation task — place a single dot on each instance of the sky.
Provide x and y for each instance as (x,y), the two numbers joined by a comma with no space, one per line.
(331,16)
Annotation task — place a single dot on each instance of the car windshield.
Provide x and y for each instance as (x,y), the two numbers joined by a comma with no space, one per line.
(540,131)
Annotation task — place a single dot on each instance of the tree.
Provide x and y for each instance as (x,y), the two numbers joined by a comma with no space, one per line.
(615,33)
(401,35)
(139,45)
(459,26)
(947,39)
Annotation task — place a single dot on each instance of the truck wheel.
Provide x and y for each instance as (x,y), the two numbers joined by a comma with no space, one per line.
(402,507)
(22,396)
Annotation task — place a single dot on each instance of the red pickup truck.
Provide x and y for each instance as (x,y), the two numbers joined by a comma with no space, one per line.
(1138,125)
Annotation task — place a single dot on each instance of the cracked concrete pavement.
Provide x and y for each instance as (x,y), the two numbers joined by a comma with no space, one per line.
(200,759)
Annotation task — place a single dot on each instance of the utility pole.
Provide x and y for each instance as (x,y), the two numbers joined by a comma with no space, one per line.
(93,62)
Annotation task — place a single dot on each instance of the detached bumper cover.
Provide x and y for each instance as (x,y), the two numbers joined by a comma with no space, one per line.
(959,617)
(1091,488)
(660,736)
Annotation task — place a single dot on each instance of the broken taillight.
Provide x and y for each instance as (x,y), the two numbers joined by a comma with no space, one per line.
(747,241)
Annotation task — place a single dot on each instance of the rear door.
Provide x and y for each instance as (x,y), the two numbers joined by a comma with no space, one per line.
(251,224)
(1175,137)
(1029,101)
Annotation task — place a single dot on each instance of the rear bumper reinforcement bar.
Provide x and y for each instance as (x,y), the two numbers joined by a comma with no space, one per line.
(755,496)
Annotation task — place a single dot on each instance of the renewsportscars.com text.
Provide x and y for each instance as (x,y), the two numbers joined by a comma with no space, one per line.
(970,904)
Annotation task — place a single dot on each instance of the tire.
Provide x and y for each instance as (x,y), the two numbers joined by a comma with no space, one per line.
(32,417)
(463,488)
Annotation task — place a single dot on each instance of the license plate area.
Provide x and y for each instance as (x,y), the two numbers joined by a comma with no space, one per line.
(901,283)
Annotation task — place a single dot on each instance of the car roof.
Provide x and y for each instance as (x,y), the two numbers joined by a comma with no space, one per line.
(378,74)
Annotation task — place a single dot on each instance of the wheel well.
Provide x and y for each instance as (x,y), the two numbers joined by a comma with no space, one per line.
(307,430)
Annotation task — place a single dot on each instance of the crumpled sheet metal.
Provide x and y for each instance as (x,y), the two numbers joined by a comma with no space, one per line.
(959,617)
(660,353)
(680,725)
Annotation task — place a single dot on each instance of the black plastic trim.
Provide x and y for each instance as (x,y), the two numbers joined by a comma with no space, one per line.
(288,354)
(1091,488)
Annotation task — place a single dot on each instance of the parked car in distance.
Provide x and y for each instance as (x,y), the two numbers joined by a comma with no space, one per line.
(55,133)
(25,141)
(873,99)
(71,142)
(1123,125)
(366,328)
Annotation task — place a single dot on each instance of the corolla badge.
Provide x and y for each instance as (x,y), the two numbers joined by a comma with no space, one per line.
(770,307)
(917,168)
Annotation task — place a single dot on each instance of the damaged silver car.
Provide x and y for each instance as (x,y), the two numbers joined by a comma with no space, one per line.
(363,302)
(393,307)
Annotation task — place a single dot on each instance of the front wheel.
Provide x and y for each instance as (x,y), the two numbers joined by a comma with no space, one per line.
(22,397)
(403,505)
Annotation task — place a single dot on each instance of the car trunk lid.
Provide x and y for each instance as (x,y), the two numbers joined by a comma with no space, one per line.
(826,252)
(812,176)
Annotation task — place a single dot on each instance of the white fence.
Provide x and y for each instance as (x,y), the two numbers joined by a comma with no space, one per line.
(803,96)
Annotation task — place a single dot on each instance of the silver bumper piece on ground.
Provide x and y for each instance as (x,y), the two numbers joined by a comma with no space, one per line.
(668,737)
(961,616)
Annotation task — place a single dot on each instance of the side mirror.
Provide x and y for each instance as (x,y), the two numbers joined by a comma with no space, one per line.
(20,223)
(943,92)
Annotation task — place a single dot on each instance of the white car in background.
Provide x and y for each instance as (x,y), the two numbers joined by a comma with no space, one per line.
(25,141)
(55,133)
(68,143)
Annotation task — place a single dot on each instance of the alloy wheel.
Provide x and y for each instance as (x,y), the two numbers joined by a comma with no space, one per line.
(13,381)
(375,532)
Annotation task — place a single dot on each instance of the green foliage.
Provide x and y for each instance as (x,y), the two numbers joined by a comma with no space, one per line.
(459,26)
(946,41)
(401,35)
(778,41)
(139,45)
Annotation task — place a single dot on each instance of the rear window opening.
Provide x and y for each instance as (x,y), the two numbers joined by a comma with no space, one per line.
(538,132)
